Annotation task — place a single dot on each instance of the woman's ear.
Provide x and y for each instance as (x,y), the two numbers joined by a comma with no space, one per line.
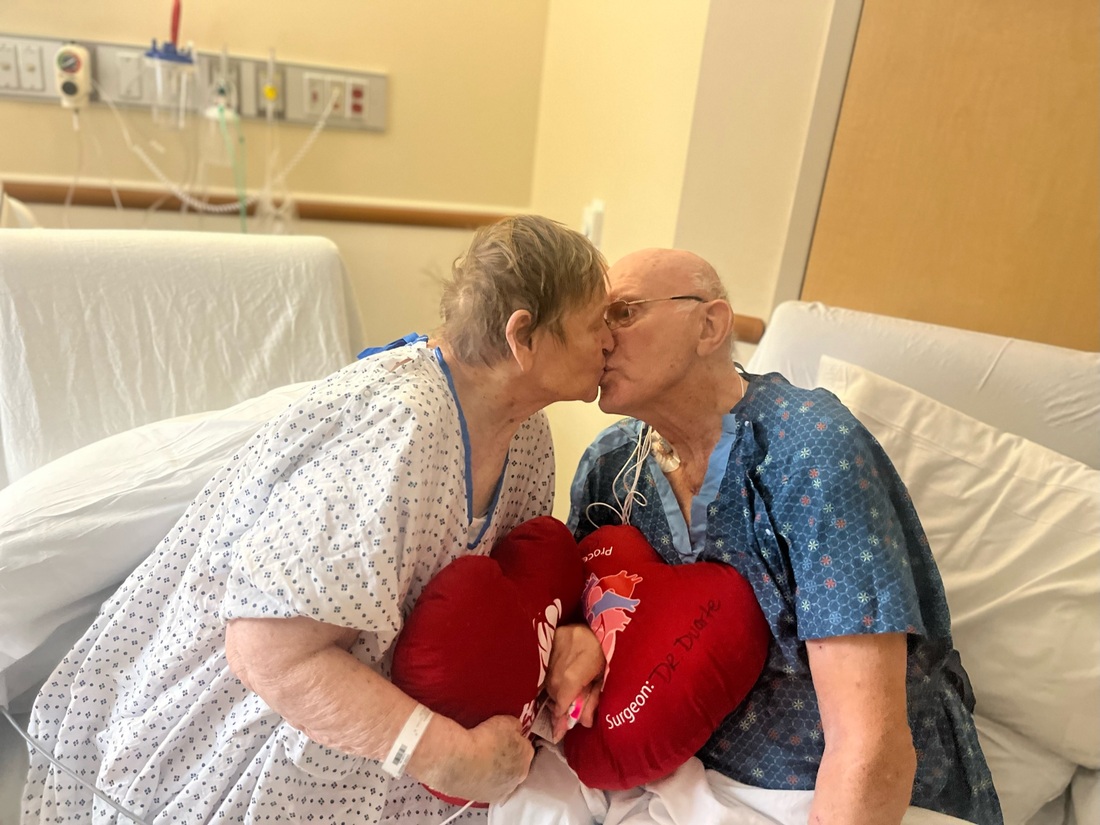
(518,334)
(717,327)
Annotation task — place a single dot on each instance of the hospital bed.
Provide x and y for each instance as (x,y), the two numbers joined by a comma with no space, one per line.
(998,440)
(125,357)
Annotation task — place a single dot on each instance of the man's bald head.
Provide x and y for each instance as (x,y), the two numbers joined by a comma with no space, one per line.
(671,352)
(675,268)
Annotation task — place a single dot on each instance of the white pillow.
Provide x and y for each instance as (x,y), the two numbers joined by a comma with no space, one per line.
(1027,776)
(1015,530)
(1085,797)
(73,529)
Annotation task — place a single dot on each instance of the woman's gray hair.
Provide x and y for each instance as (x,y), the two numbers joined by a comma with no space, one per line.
(525,262)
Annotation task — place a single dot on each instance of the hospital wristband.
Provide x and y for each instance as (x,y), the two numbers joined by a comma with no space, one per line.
(406,741)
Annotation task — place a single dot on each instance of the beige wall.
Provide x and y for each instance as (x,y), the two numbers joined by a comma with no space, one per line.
(464,92)
(759,76)
(618,88)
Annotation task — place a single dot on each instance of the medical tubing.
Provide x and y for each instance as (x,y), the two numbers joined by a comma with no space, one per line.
(110,178)
(198,205)
(241,172)
(642,448)
(41,748)
(236,163)
(79,162)
(305,147)
(457,813)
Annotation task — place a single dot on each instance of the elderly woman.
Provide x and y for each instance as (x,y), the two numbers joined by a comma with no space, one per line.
(240,674)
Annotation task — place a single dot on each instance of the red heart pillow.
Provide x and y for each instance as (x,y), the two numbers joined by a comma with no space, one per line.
(477,641)
(684,645)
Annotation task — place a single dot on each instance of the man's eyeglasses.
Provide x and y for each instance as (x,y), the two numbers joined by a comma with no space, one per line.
(624,313)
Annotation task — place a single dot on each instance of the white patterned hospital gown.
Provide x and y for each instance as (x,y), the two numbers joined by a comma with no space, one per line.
(340,509)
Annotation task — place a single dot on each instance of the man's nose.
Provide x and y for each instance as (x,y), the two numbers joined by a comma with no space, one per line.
(608,341)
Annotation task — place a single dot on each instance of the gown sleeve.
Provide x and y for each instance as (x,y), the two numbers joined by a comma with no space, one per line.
(844,515)
(353,491)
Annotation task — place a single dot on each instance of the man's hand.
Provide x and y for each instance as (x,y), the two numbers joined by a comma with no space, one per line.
(575,672)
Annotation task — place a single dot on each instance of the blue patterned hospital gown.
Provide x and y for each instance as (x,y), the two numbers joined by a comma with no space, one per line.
(803,502)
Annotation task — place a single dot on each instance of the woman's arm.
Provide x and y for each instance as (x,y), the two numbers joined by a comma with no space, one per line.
(304,671)
(866,774)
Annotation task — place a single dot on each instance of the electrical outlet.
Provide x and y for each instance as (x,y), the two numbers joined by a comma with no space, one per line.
(336,93)
(131,76)
(313,94)
(32,78)
(9,67)
(358,103)
(358,99)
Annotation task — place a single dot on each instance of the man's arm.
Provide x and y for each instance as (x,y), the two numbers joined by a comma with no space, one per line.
(866,774)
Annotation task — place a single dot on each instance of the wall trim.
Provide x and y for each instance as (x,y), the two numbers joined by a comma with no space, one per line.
(315,209)
(748,329)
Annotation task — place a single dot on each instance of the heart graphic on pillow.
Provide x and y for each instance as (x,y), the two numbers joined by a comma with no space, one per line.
(684,645)
(477,642)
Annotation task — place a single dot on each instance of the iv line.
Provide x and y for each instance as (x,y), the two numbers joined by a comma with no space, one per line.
(197,205)
(41,748)
(642,449)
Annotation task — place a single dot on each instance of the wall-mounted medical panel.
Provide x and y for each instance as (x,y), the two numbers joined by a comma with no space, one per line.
(358,100)
(123,75)
(27,68)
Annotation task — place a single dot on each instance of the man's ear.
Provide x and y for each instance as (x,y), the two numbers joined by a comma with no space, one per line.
(717,327)
(518,334)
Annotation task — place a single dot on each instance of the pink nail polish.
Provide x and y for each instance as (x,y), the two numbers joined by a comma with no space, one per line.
(575,711)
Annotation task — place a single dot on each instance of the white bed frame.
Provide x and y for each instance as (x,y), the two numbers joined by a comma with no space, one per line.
(104,331)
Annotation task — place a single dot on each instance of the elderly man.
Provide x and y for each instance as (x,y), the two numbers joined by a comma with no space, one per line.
(863,698)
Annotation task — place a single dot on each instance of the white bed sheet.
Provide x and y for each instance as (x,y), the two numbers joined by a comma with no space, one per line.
(692,795)
(102,331)
(72,530)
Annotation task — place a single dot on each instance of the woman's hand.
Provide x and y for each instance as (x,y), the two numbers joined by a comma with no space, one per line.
(485,764)
(575,671)
(303,670)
